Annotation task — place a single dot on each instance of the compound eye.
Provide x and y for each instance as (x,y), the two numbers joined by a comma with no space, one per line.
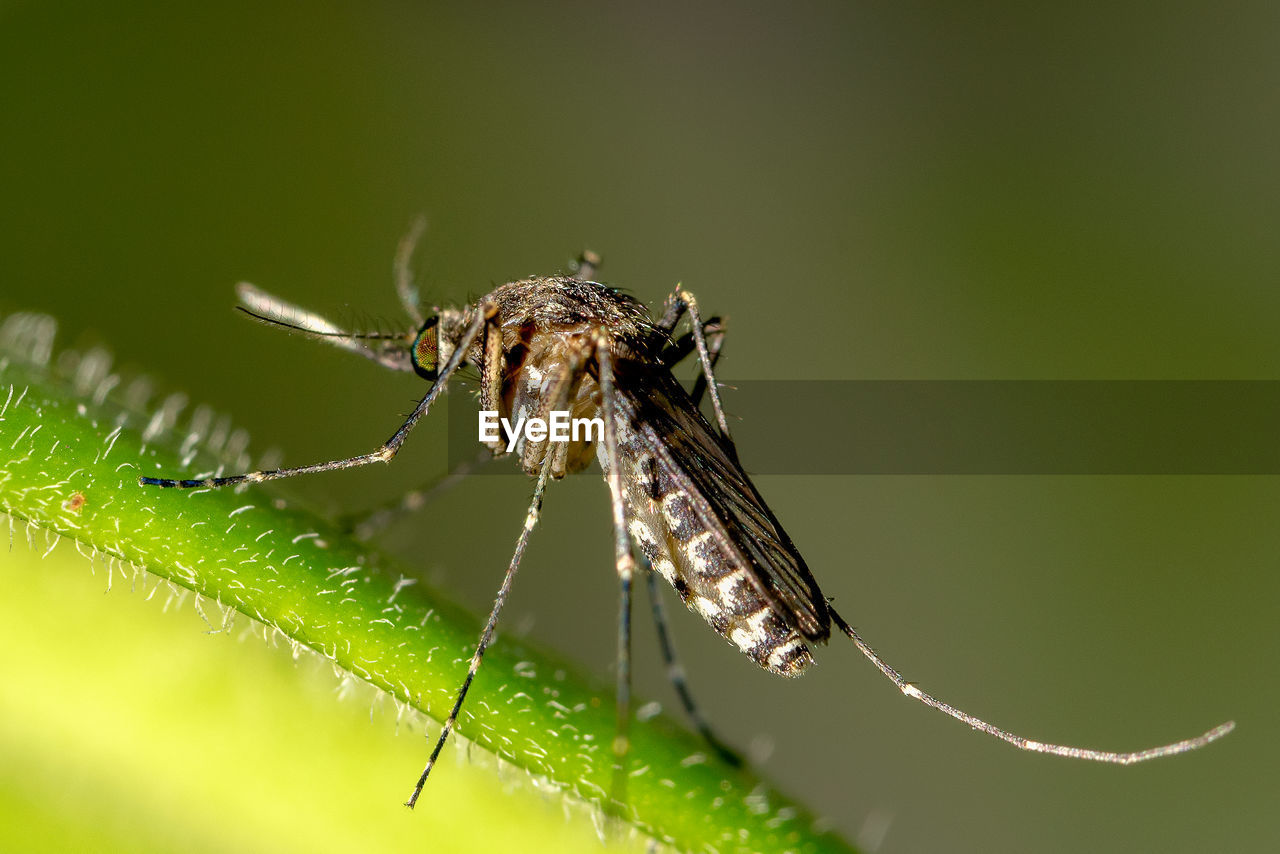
(426,350)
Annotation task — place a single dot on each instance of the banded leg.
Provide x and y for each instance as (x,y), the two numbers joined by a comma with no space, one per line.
(625,565)
(486,636)
(485,313)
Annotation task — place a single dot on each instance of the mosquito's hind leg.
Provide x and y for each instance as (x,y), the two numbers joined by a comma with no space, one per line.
(1022,743)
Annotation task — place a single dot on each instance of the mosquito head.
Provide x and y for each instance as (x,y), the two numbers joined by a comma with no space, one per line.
(426,349)
(436,340)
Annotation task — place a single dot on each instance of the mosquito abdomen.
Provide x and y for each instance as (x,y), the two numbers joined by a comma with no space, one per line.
(684,551)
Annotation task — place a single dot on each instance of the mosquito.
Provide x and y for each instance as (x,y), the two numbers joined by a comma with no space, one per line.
(676,488)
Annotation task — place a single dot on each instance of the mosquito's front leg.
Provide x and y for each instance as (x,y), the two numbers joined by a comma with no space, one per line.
(485,315)
(486,636)
(556,397)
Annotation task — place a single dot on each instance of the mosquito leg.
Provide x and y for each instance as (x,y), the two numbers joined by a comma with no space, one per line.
(714,329)
(675,673)
(704,356)
(622,689)
(368,525)
(486,636)
(491,368)
(678,350)
(404,275)
(484,316)
(672,313)
(1018,741)
(677,304)
(624,562)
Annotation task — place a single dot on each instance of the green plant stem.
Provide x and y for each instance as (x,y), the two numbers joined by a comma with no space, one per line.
(71,467)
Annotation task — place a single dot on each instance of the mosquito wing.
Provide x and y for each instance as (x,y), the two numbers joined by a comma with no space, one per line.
(703,525)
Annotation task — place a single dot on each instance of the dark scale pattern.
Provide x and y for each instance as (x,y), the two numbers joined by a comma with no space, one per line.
(682,550)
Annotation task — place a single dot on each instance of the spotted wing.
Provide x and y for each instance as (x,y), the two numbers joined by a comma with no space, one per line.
(703,525)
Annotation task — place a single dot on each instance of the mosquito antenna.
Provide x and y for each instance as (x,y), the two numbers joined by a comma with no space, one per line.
(1018,741)
(392,351)
(323,333)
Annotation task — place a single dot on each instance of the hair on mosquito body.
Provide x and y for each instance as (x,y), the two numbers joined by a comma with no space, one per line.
(678,494)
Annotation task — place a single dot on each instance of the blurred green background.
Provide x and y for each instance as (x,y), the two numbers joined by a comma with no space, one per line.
(937,192)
